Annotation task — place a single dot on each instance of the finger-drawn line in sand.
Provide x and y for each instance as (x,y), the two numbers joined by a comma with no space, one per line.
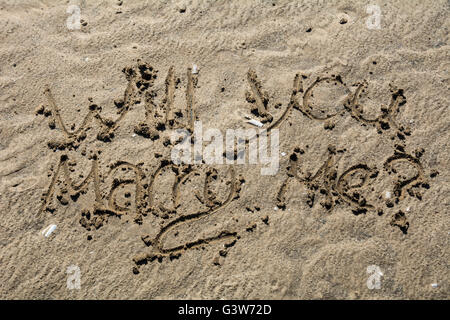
(105,205)
(307,109)
(213,205)
(68,188)
(387,118)
(73,137)
(182,173)
(160,116)
(410,185)
(337,189)
(355,199)
(259,101)
(258,98)
(100,211)
(326,182)
(262,100)
(120,183)
(140,86)
(192,83)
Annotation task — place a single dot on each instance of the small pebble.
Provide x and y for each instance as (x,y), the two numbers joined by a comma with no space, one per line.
(434,285)
(387,195)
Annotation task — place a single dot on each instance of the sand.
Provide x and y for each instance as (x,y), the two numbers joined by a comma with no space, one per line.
(357,210)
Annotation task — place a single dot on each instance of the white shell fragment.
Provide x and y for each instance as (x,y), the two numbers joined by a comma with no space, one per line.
(434,285)
(250,120)
(49,230)
(194,69)
(255,123)
(388,195)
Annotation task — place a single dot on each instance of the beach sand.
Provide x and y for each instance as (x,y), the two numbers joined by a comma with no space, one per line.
(357,210)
